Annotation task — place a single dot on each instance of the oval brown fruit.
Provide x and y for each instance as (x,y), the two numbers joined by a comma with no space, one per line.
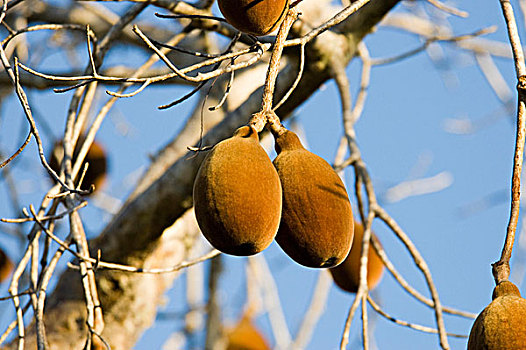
(502,324)
(6,266)
(237,195)
(316,228)
(256,17)
(96,157)
(245,336)
(347,274)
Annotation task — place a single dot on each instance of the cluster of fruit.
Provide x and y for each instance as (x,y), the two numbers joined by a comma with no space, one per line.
(243,201)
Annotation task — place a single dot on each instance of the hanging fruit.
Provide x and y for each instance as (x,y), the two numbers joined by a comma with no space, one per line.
(347,274)
(237,195)
(316,228)
(6,266)
(96,157)
(245,336)
(256,17)
(502,324)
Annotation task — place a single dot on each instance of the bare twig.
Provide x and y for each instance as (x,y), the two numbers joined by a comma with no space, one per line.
(431,40)
(271,300)
(414,326)
(296,82)
(213,307)
(314,311)
(495,79)
(374,210)
(501,268)
(13,74)
(209,75)
(363,290)
(20,149)
(335,20)
(13,324)
(184,264)
(422,265)
(47,218)
(266,115)
(118,267)
(407,287)
(365,79)
(448,9)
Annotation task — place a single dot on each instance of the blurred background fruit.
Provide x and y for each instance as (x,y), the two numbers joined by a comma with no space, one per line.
(347,274)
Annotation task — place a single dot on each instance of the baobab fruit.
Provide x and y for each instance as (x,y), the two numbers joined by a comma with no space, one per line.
(347,274)
(6,266)
(96,157)
(256,17)
(316,228)
(502,324)
(245,336)
(237,195)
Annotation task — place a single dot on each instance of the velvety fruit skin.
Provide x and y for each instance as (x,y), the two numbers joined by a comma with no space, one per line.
(245,336)
(316,228)
(257,17)
(347,274)
(6,266)
(502,324)
(96,157)
(237,195)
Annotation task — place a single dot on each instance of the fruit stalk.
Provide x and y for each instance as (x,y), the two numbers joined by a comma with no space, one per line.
(260,119)
(501,268)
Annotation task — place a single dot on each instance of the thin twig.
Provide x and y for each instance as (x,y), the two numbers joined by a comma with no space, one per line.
(13,324)
(407,287)
(22,97)
(213,306)
(181,73)
(422,265)
(365,323)
(432,40)
(494,77)
(314,310)
(131,94)
(296,82)
(448,9)
(266,115)
(272,301)
(501,268)
(228,50)
(48,217)
(27,292)
(335,20)
(20,149)
(363,289)
(226,93)
(38,27)
(118,267)
(365,79)
(414,326)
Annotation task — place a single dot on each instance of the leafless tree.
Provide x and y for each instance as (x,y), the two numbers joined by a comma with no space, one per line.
(110,292)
